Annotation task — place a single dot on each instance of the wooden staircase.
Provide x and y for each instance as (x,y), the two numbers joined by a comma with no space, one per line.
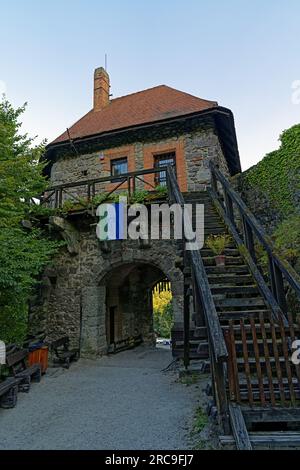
(260,394)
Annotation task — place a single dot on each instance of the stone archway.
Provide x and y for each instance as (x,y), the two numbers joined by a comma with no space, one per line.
(122,294)
(128,302)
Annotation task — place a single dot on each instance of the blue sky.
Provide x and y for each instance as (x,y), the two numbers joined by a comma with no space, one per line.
(244,54)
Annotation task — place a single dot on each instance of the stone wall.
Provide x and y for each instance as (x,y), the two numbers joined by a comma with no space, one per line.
(258,203)
(193,150)
(200,148)
(84,285)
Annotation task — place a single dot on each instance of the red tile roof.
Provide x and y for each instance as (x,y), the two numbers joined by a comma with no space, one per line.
(143,107)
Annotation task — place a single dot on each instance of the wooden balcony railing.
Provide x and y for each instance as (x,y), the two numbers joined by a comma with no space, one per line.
(88,189)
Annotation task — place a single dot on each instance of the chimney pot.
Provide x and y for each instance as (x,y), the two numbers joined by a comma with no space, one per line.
(101,89)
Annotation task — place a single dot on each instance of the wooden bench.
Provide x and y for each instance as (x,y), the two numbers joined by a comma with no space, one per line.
(9,392)
(64,355)
(17,363)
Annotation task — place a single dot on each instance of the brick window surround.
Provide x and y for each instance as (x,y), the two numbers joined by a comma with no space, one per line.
(166,147)
(115,154)
(118,166)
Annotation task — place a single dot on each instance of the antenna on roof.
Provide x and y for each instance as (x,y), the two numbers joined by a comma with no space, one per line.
(105,61)
(72,143)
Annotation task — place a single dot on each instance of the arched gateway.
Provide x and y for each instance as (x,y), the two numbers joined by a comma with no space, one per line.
(91,289)
(118,307)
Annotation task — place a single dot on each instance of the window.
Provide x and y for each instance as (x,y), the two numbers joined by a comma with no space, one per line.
(163,159)
(119,166)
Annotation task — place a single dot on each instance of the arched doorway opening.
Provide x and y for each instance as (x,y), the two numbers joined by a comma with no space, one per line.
(129,292)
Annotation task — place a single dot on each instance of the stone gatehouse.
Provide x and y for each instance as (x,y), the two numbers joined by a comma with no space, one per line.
(99,294)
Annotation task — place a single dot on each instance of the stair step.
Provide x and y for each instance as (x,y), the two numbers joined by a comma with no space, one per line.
(230,261)
(196,195)
(222,279)
(212,226)
(239,342)
(265,381)
(252,360)
(230,289)
(192,342)
(242,302)
(213,269)
(278,439)
(213,231)
(237,328)
(207,252)
(236,315)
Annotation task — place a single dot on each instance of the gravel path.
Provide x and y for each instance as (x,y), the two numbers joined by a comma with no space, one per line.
(116,402)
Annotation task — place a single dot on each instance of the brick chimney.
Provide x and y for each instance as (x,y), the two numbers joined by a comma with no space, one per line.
(101,89)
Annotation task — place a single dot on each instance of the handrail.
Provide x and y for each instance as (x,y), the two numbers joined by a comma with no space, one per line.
(56,192)
(213,325)
(278,268)
(265,240)
(106,179)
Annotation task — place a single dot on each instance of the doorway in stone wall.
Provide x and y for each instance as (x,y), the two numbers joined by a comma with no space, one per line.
(129,294)
(163,317)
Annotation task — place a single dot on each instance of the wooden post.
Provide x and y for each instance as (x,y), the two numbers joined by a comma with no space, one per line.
(239,428)
(272,276)
(56,199)
(198,307)
(186,325)
(218,377)
(214,183)
(60,197)
(228,205)
(277,284)
(248,239)
(280,293)
(128,187)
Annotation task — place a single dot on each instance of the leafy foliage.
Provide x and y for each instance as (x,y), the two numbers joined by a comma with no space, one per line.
(218,243)
(23,252)
(287,239)
(162,191)
(162,313)
(278,174)
(139,196)
(200,421)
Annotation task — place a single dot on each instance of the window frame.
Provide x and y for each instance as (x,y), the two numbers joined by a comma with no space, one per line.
(114,161)
(160,155)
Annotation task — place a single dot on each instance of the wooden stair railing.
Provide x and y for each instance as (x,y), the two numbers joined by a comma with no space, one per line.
(233,211)
(203,297)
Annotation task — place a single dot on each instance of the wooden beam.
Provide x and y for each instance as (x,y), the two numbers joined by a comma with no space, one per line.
(273,440)
(270,415)
(239,428)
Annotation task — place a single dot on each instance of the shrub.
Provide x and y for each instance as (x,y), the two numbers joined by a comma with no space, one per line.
(218,243)
(162,313)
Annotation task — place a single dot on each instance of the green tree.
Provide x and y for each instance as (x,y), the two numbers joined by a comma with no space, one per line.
(23,252)
(162,313)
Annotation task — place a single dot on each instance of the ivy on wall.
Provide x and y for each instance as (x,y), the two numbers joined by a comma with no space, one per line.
(278,174)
